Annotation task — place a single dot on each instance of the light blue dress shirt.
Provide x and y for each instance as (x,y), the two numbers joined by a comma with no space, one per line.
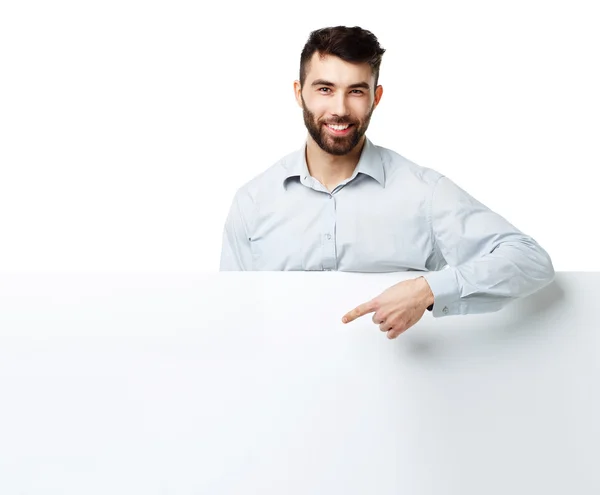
(391,215)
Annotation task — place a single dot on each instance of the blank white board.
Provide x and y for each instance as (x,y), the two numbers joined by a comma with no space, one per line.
(248,383)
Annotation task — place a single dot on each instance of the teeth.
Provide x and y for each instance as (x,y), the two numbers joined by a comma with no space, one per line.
(338,127)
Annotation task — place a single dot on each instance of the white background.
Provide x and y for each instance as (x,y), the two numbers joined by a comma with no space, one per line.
(127,126)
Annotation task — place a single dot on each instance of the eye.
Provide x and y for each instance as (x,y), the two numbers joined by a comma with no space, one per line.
(323,88)
(359,91)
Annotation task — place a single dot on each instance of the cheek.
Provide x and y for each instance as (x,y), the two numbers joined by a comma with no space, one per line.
(363,110)
(319,111)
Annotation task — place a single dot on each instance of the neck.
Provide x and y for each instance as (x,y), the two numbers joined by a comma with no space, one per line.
(330,169)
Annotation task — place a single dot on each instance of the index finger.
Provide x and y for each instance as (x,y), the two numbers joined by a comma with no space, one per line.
(360,310)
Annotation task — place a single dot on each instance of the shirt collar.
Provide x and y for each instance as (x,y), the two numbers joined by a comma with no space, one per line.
(369,163)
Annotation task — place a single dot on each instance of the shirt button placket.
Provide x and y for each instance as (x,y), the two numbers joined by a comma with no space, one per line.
(329,238)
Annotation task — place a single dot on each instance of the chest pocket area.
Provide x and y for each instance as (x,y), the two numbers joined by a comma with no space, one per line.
(276,253)
(379,251)
(387,242)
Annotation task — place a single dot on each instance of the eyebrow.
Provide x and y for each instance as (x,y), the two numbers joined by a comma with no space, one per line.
(323,82)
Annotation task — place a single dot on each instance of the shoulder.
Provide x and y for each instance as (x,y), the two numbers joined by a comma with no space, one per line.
(267,183)
(399,168)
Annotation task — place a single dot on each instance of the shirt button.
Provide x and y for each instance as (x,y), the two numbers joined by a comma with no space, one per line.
(328,236)
(445,310)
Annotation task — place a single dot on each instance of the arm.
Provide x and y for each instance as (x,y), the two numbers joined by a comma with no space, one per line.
(235,251)
(490,262)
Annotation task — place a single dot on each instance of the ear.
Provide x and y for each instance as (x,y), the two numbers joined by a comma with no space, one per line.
(298,93)
(378,94)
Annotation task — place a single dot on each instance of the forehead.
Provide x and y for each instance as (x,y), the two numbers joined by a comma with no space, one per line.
(338,71)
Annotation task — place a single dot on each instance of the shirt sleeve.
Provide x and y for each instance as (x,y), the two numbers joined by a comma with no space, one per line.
(489,261)
(235,251)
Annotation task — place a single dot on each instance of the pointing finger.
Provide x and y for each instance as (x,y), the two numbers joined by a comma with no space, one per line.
(360,310)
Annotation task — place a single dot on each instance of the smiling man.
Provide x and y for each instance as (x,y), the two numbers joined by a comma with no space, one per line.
(340,202)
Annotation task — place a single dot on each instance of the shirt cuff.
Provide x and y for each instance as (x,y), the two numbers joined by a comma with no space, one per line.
(446,292)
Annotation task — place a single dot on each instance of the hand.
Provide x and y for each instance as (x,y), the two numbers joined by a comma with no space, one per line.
(397,308)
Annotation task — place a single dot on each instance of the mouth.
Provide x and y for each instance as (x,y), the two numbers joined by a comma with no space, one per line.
(339,129)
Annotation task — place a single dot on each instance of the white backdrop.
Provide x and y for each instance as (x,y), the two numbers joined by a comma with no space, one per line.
(127,126)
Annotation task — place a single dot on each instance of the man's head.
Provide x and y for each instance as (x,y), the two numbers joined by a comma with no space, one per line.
(339,71)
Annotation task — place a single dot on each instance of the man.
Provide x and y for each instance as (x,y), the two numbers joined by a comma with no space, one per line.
(342,203)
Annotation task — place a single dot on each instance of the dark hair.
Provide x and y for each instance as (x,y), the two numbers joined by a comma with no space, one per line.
(352,44)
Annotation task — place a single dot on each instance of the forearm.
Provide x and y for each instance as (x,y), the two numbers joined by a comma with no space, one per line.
(489,282)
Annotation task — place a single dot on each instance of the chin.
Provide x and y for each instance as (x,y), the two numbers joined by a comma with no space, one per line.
(334,150)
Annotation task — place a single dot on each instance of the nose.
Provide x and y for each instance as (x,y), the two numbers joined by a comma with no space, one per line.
(340,107)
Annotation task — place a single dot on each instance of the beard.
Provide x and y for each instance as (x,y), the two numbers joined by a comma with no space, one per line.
(336,145)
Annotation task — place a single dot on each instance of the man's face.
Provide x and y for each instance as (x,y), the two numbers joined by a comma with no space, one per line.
(337,92)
